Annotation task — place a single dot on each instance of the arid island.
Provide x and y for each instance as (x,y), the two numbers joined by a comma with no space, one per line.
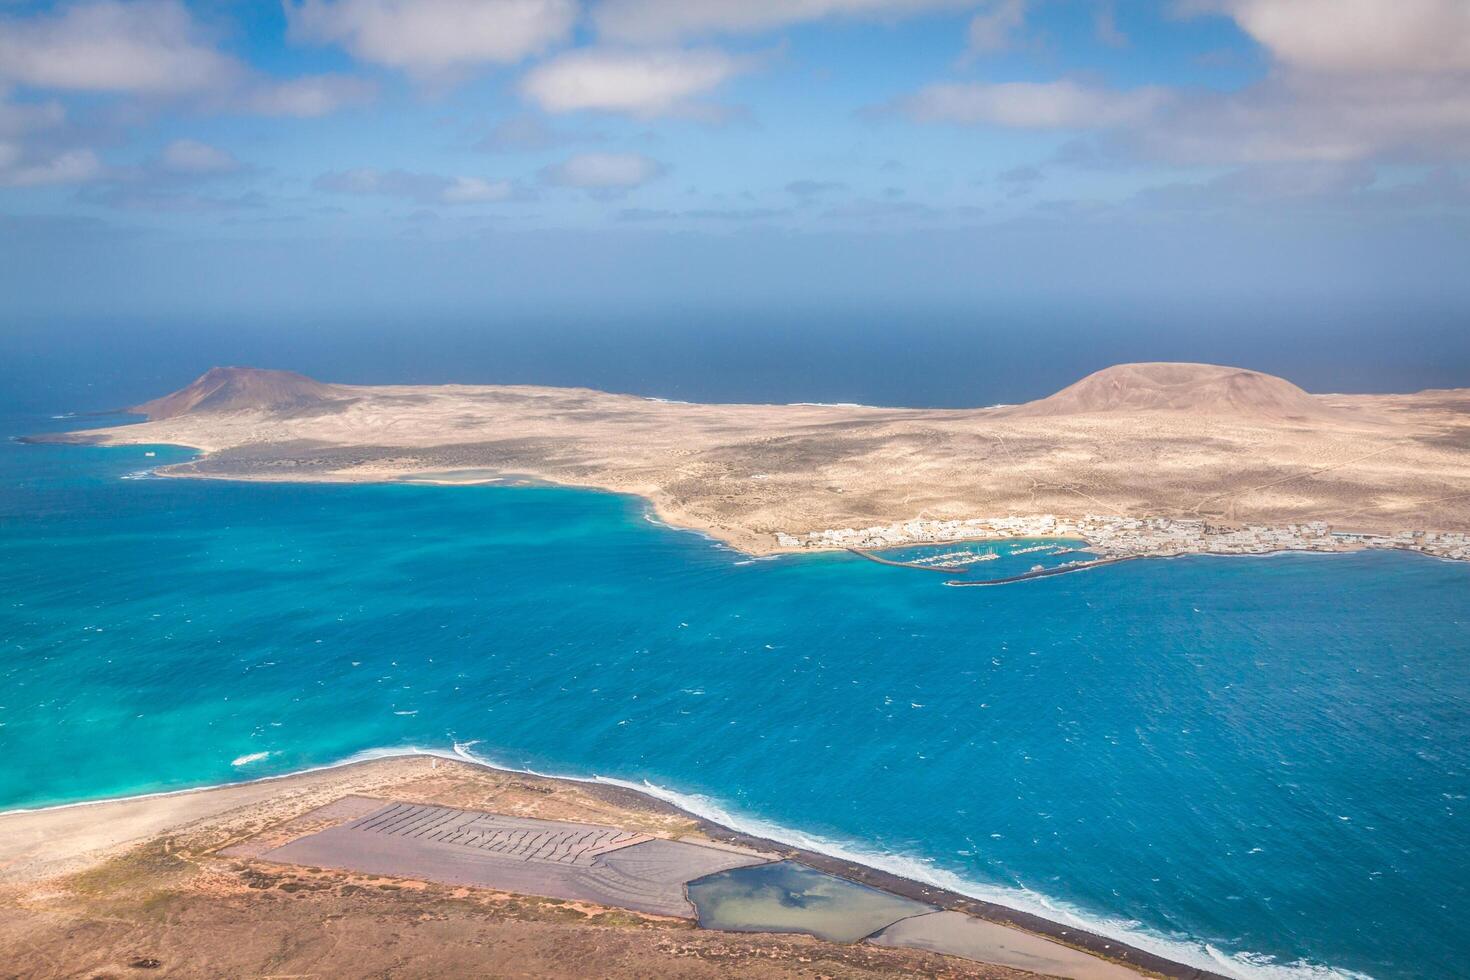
(1137,459)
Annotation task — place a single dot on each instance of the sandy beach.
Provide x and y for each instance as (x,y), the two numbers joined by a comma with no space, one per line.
(177,879)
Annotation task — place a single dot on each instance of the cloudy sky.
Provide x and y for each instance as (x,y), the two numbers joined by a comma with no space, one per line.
(449,154)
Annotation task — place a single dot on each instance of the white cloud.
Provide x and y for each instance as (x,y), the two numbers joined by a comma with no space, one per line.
(148,46)
(21,169)
(434,37)
(603,171)
(1033,105)
(808,189)
(656,21)
(1268,184)
(1300,118)
(419,187)
(992,28)
(643,83)
(38,147)
(1289,189)
(21,117)
(527,134)
(474,190)
(170,181)
(307,96)
(1351,80)
(1358,36)
(192,158)
(155,48)
(1105,25)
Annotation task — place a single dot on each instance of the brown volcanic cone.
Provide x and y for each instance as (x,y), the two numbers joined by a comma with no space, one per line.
(1203,389)
(233,389)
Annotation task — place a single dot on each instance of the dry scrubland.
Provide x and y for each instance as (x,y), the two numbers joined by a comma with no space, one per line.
(140,888)
(1141,440)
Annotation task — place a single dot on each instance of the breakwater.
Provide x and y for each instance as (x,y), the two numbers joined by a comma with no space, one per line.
(1047,572)
(948,569)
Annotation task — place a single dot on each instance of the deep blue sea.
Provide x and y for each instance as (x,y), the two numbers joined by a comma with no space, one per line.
(1259,765)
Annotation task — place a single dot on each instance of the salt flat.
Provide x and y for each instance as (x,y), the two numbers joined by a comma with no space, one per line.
(965,935)
(552,859)
(357,869)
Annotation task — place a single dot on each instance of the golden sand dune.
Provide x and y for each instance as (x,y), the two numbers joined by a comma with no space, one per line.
(1144,440)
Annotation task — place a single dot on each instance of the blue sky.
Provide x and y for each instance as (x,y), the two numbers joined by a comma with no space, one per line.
(454,155)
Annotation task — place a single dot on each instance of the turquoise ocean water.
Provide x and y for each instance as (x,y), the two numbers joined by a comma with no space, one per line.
(1259,765)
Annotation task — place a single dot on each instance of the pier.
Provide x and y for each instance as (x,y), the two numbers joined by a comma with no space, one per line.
(950,569)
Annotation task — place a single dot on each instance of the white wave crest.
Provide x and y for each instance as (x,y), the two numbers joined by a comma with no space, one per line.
(827,405)
(1244,965)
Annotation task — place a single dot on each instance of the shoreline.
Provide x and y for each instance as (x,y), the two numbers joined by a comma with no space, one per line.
(774,478)
(653,516)
(738,543)
(1097,563)
(825,860)
(873,556)
(1051,572)
(831,857)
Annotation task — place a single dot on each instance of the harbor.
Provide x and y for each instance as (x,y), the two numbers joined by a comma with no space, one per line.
(1136,537)
(957,562)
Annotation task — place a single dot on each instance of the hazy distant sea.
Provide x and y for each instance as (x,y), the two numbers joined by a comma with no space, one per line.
(1256,764)
(962,359)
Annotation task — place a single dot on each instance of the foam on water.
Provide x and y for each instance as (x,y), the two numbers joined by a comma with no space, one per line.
(365,755)
(1247,966)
